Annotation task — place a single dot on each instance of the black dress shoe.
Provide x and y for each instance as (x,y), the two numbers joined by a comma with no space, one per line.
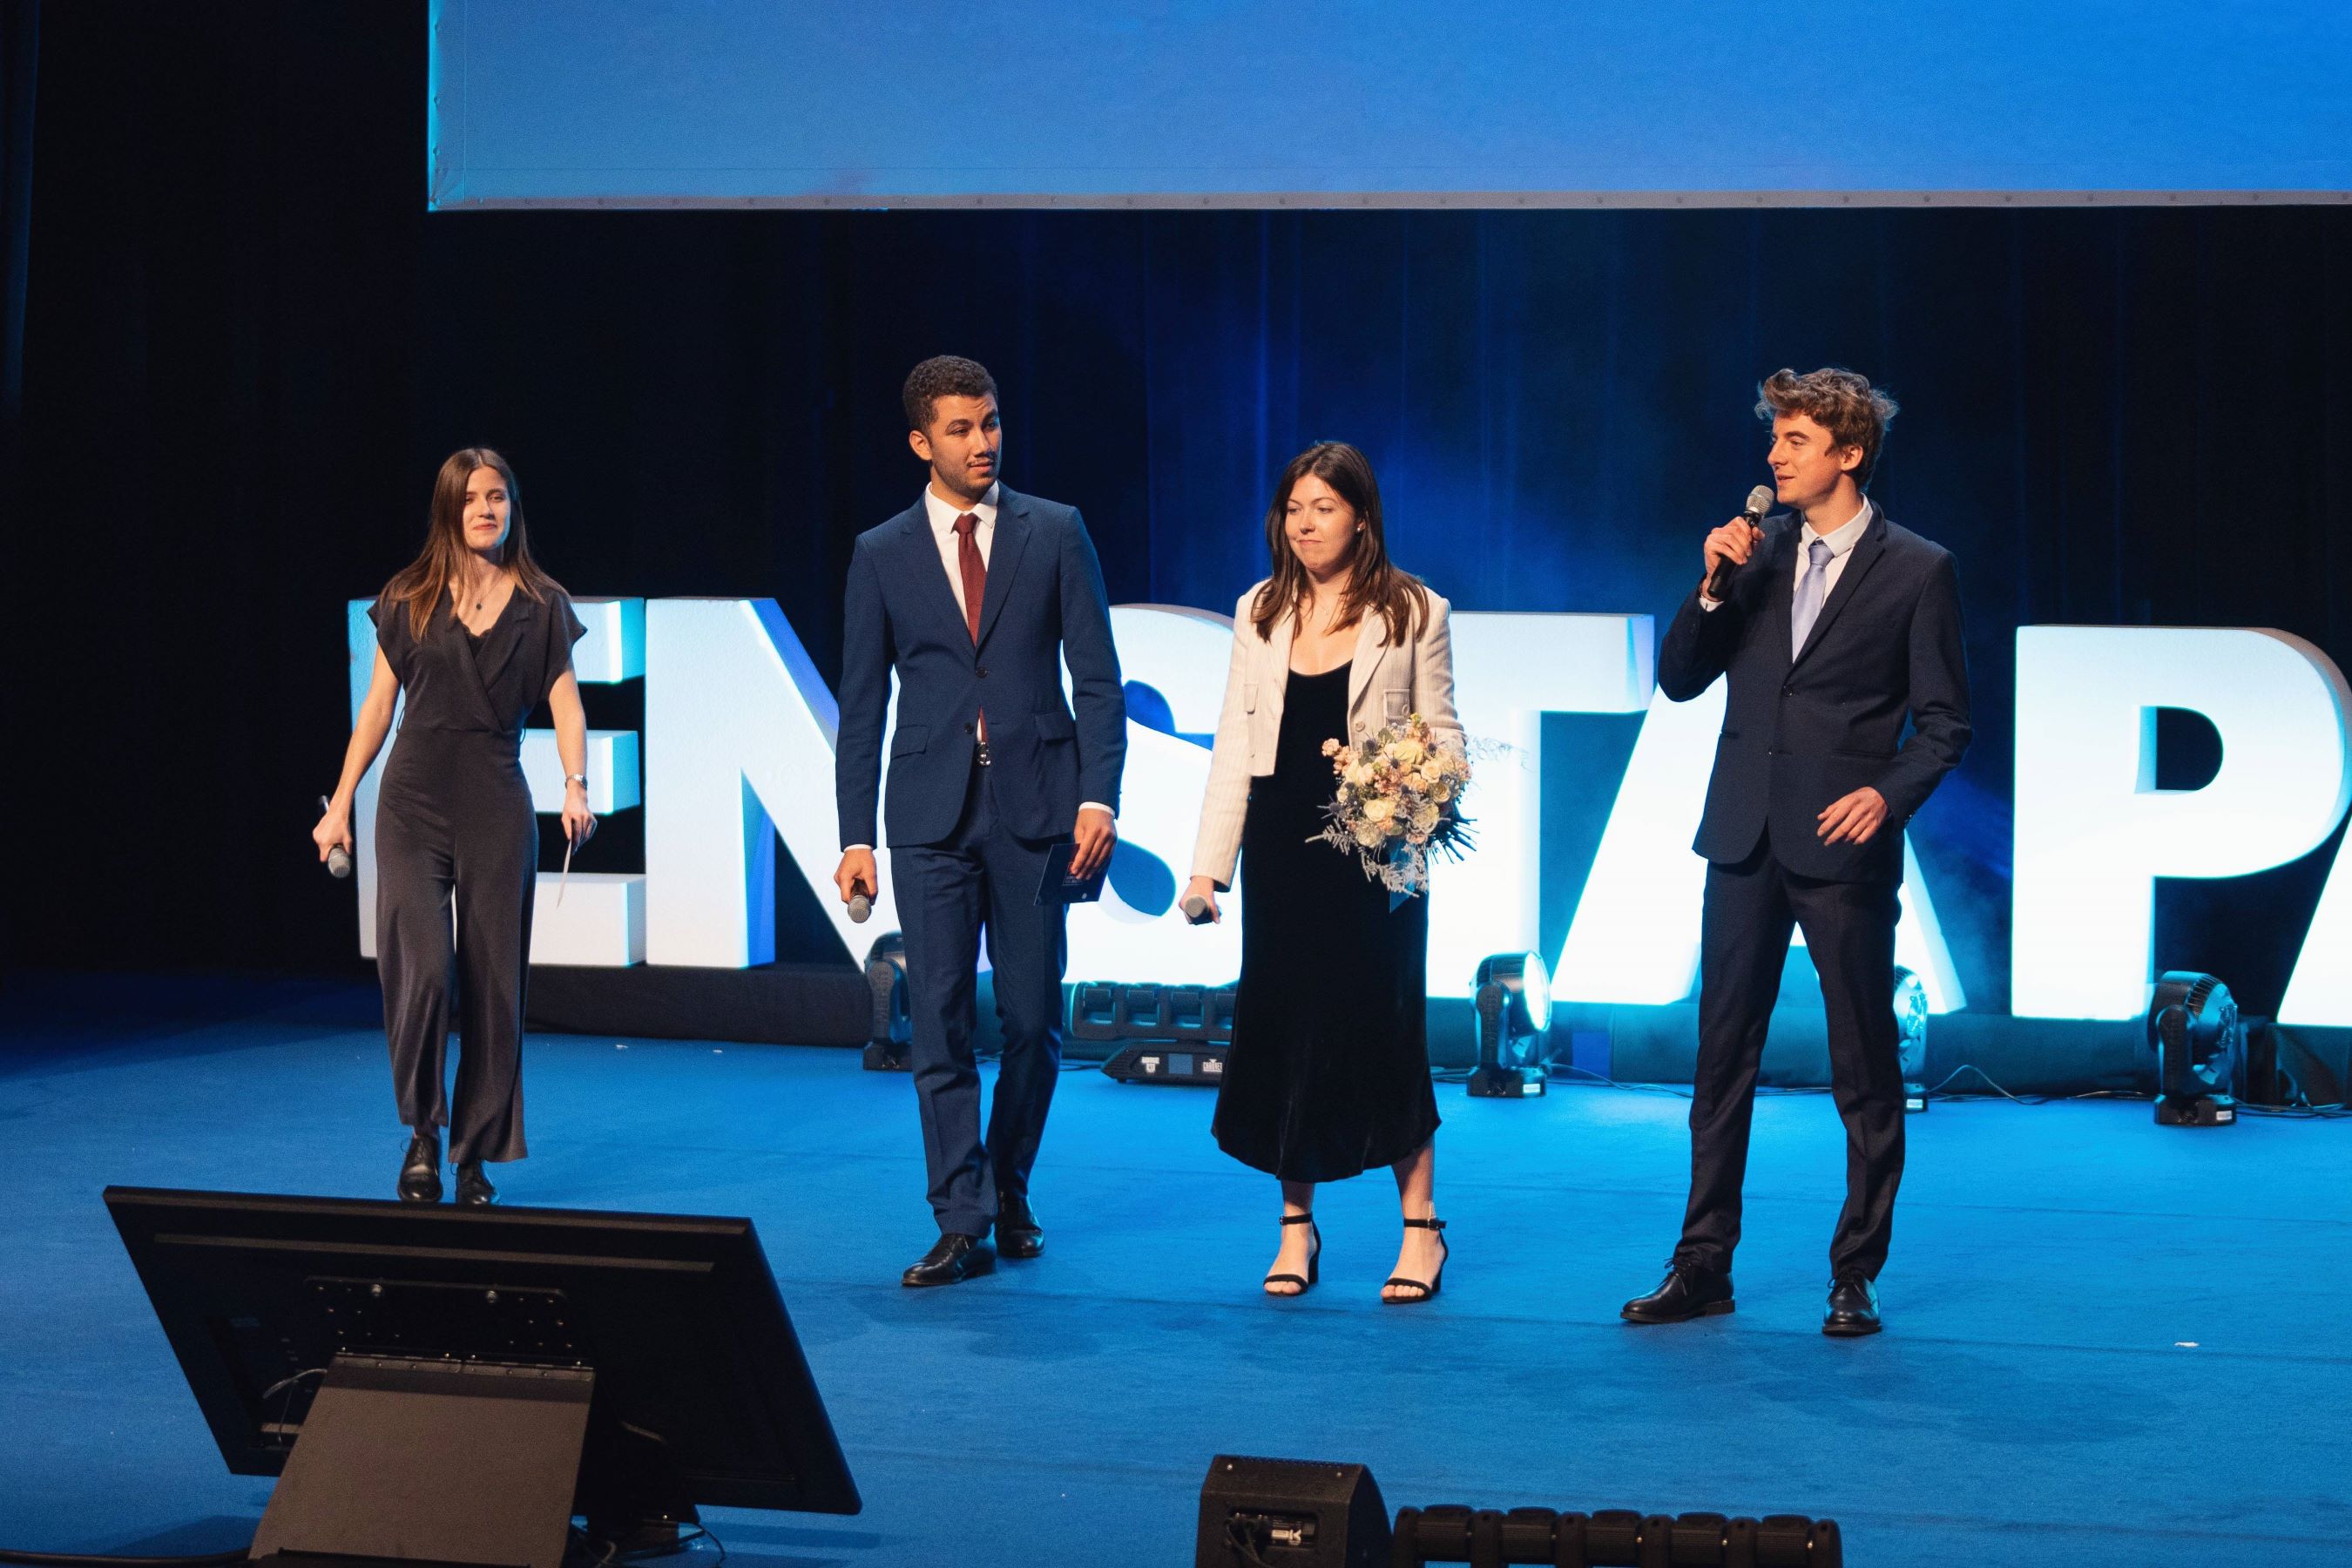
(1687,1292)
(420,1170)
(953,1260)
(474,1189)
(1018,1234)
(1854,1308)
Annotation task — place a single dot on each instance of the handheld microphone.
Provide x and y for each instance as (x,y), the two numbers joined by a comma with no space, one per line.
(1759,501)
(1196,909)
(338,860)
(861,907)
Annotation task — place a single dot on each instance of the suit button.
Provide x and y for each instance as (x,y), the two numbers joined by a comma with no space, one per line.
(984,672)
(1788,691)
(966,729)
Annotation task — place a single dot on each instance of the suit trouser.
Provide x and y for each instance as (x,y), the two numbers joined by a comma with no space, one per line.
(1750,907)
(454,835)
(981,876)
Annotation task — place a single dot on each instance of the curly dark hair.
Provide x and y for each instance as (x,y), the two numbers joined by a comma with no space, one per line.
(943,376)
(1840,402)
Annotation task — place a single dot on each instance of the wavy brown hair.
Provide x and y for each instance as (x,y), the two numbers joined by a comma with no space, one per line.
(1842,402)
(1374,583)
(422,583)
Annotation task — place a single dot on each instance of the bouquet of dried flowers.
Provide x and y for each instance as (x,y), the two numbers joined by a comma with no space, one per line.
(1399,802)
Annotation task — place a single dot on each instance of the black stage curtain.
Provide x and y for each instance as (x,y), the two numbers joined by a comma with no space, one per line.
(20,40)
(250,346)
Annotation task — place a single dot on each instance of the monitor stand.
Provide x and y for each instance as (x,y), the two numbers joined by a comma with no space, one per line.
(432,1462)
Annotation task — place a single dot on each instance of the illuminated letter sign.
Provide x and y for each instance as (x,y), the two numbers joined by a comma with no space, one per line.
(1636,935)
(2093,830)
(742,735)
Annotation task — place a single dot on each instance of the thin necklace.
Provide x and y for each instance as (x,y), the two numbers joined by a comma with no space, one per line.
(479,600)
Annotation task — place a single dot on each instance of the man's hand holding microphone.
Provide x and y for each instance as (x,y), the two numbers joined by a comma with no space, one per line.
(1733,543)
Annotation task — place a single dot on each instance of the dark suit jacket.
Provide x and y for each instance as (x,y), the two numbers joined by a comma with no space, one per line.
(1797,735)
(1044,600)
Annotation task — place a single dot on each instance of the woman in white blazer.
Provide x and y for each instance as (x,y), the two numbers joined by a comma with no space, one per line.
(1328,1074)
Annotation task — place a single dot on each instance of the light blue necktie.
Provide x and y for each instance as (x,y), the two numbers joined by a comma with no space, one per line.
(1810,593)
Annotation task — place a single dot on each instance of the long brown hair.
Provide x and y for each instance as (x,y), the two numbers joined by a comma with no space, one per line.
(422,583)
(1374,583)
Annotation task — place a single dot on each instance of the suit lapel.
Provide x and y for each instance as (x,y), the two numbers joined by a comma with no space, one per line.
(1865,555)
(1013,531)
(1366,659)
(924,566)
(1778,562)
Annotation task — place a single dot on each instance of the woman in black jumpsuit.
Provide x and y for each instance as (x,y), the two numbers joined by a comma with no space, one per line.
(455,835)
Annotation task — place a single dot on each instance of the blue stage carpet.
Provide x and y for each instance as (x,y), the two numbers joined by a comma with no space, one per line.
(2109,1343)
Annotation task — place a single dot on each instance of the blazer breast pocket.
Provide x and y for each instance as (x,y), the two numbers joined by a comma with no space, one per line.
(1396,705)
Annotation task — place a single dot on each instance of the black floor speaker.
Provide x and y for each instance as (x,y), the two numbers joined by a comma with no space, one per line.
(1290,1513)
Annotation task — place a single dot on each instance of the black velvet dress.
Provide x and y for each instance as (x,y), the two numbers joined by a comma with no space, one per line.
(1328,1072)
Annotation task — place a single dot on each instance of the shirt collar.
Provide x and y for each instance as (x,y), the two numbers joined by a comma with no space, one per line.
(1841,539)
(943,515)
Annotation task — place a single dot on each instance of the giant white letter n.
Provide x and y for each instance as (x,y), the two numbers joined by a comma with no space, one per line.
(2093,830)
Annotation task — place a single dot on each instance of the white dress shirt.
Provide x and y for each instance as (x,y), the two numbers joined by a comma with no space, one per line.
(1841,541)
(943,516)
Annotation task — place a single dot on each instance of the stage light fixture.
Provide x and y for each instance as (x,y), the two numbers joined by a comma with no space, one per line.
(1911,1039)
(2200,1046)
(893,1020)
(1169,1034)
(1513,992)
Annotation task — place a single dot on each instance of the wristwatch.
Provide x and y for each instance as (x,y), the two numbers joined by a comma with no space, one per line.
(580,779)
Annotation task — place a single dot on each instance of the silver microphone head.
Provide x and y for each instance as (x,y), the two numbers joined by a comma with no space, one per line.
(339,863)
(861,908)
(1195,908)
(1759,501)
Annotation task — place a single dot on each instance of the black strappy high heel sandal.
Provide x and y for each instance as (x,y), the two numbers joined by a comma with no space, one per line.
(1429,1286)
(1314,1262)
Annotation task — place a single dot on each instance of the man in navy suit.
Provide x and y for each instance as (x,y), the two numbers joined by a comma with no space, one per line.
(975,596)
(1837,629)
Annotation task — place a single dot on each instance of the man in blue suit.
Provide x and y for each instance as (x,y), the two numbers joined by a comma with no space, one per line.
(1837,630)
(976,596)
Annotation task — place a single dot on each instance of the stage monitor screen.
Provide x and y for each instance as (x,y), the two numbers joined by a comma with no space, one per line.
(1524,103)
(697,1370)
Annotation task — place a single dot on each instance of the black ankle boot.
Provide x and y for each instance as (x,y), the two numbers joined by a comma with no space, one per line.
(420,1170)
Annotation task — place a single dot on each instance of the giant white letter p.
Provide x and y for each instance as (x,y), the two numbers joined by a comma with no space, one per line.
(2093,830)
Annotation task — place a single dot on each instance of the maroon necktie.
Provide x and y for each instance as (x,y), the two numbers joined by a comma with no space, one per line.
(974,572)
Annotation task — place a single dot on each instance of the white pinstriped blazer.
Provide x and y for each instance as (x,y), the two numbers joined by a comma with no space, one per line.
(1385,683)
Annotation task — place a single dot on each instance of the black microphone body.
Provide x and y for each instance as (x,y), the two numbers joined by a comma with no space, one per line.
(1759,501)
